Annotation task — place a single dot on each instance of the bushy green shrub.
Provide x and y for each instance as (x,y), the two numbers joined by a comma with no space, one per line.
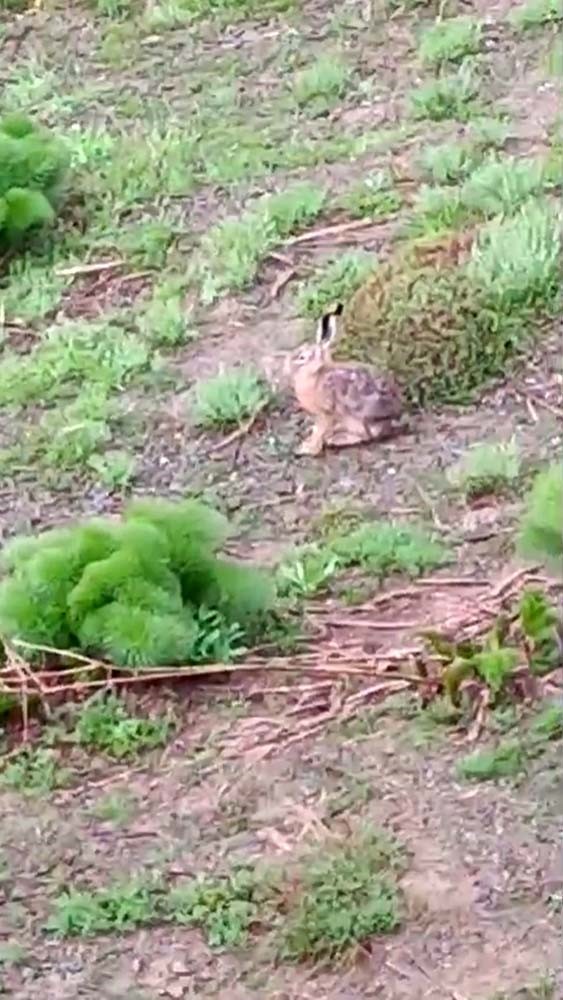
(144,591)
(541,530)
(32,167)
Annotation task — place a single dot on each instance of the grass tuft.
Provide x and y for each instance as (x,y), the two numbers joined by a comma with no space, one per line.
(231,252)
(541,528)
(450,40)
(486,468)
(33,770)
(536,13)
(507,760)
(104,724)
(322,83)
(335,283)
(374,197)
(229,398)
(345,896)
(449,96)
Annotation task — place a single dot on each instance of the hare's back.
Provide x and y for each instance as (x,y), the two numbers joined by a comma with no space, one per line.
(368,395)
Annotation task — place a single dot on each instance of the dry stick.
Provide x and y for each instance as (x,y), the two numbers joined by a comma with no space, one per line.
(380,626)
(545,405)
(240,431)
(94,268)
(315,234)
(281,281)
(509,581)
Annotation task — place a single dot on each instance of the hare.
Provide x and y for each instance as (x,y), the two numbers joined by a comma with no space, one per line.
(350,403)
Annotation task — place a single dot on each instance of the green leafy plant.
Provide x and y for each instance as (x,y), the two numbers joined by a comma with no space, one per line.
(382,548)
(133,590)
(229,397)
(33,164)
(35,770)
(540,626)
(115,468)
(335,283)
(307,572)
(486,468)
(374,197)
(119,907)
(449,162)
(343,897)
(507,760)
(450,40)
(323,81)
(448,96)
(536,13)
(104,724)
(541,528)
(231,251)
(223,908)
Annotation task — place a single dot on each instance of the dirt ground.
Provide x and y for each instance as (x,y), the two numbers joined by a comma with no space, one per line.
(484,860)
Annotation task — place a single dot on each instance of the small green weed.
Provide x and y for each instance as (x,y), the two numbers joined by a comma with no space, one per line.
(382,548)
(541,532)
(536,13)
(146,244)
(345,896)
(223,908)
(231,252)
(502,185)
(322,83)
(374,197)
(335,283)
(68,437)
(449,162)
(547,725)
(450,40)
(33,290)
(120,907)
(453,96)
(487,468)
(165,320)
(114,8)
(542,989)
(515,261)
(436,210)
(507,760)
(115,468)
(104,724)
(308,572)
(539,622)
(229,398)
(117,807)
(11,953)
(34,770)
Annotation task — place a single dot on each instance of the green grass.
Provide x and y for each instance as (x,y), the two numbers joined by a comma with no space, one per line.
(378,547)
(31,289)
(117,808)
(515,261)
(487,468)
(374,197)
(322,83)
(231,252)
(67,437)
(33,770)
(450,40)
(228,398)
(540,535)
(346,895)
(119,907)
(536,13)
(165,321)
(449,162)
(507,760)
(436,210)
(448,96)
(115,469)
(502,185)
(104,724)
(547,725)
(99,354)
(336,282)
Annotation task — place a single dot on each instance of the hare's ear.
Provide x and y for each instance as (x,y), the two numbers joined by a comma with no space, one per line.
(327,328)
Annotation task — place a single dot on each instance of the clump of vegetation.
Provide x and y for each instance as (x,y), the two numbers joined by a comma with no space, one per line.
(325,80)
(536,13)
(229,397)
(34,770)
(448,96)
(541,529)
(486,468)
(104,724)
(223,908)
(340,278)
(540,626)
(345,896)
(119,907)
(446,315)
(374,197)
(449,162)
(33,164)
(148,590)
(506,760)
(232,250)
(450,40)
(378,547)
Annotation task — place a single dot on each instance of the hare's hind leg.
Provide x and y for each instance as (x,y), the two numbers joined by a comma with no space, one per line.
(347,432)
(314,444)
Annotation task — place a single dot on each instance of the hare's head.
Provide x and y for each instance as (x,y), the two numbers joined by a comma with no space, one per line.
(316,356)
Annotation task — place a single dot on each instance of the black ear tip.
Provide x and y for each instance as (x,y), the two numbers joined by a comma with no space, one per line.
(338,309)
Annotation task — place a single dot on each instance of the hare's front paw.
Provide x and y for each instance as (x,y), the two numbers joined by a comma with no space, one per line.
(313,445)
